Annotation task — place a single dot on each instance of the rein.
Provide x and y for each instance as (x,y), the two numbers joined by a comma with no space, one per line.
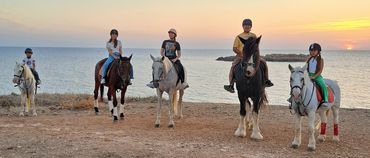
(301,101)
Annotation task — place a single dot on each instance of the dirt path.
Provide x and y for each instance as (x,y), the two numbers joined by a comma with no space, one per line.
(206,131)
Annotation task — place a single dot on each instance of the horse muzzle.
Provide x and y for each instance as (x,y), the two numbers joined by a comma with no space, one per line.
(16,81)
(156,83)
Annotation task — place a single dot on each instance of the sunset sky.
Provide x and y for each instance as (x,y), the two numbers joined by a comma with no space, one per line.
(204,24)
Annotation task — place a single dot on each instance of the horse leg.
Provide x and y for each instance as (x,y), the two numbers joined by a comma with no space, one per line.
(335,110)
(110,104)
(311,131)
(158,118)
(249,115)
(121,104)
(170,108)
(96,102)
(23,104)
(324,120)
(241,131)
(256,133)
(180,103)
(32,97)
(297,131)
(175,103)
(101,91)
(115,110)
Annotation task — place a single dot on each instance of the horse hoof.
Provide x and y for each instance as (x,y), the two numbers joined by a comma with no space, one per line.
(156,125)
(34,114)
(96,110)
(256,136)
(170,126)
(239,133)
(96,113)
(122,116)
(311,148)
(336,139)
(115,118)
(321,138)
(294,146)
(21,114)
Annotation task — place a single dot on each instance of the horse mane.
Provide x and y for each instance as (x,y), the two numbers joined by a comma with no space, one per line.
(167,65)
(27,72)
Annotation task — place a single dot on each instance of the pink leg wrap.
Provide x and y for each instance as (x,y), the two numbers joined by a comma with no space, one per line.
(323,129)
(336,129)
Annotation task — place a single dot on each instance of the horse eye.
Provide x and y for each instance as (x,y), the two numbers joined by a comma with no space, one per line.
(302,80)
(291,79)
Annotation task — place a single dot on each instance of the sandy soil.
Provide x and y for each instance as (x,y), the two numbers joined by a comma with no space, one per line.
(205,131)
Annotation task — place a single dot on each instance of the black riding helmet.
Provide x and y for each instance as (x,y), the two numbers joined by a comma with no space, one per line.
(28,50)
(315,46)
(113,31)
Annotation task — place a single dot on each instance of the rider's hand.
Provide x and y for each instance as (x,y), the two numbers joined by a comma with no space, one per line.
(312,77)
(174,60)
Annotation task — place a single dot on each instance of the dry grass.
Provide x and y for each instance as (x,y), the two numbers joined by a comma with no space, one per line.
(64,101)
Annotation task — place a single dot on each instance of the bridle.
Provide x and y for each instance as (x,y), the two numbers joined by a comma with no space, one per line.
(119,71)
(19,77)
(161,76)
(301,100)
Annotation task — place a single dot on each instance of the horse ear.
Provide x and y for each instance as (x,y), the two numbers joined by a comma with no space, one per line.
(129,58)
(151,56)
(242,40)
(258,39)
(290,67)
(304,68)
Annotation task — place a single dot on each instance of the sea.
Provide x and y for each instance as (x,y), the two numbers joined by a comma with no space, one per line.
(71,70)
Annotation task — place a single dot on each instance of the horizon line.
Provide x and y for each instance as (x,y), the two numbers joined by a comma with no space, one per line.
(182,49)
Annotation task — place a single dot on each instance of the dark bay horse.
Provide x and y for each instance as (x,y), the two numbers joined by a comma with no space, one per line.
(250,85)
(118,78)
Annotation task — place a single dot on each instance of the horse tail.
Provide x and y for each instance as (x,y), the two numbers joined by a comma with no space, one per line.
(28,103)
(174,102)
(264,102)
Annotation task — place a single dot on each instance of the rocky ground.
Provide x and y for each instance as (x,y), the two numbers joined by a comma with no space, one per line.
(71,129)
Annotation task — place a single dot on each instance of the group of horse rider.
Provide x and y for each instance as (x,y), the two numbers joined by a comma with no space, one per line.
(172,50)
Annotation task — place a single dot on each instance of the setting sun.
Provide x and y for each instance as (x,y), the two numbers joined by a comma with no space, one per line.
(349,47)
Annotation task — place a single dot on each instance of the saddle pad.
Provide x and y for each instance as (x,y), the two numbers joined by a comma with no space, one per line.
(330,94)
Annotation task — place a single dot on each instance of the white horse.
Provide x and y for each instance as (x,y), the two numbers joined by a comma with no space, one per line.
(165,77)
(305,103)
(26,82)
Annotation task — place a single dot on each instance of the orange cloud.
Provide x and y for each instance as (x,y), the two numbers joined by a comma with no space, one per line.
(346,25)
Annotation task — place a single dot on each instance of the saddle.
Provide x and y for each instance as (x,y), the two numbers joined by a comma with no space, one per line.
(108,70)
(180,72)
(320,95)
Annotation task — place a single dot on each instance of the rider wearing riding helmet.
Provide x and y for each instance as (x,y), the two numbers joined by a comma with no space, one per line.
(315,68)
(31,63)
(238,50)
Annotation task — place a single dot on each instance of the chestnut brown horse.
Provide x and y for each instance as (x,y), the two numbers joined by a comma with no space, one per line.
(118,78)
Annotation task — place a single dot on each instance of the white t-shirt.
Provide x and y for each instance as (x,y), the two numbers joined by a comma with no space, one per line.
(29,62)
(110,45)
(312,65)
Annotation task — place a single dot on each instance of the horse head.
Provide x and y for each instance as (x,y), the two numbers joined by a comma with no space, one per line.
(124,69)
(157,69)
(18,72)
(298,78)
(251,47)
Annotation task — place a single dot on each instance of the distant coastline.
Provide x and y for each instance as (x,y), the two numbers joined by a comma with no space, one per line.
(274,58)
